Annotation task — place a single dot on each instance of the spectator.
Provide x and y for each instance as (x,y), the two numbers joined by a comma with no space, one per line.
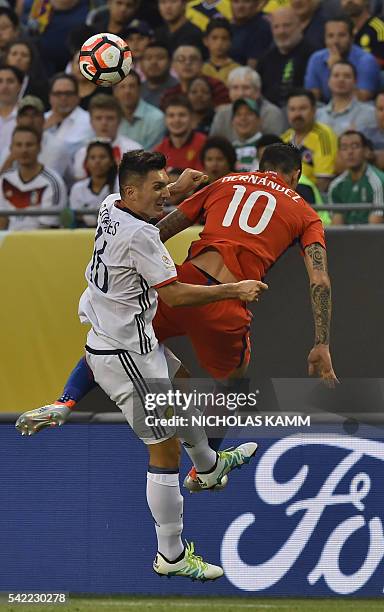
(312,21)
(251,32)
(105,114)
(344,111)
(11,80)
(200,12)
(338,45)
(376,134)
(115,18)
(244,82)
(87,89)
(156,64)
(138,36)
(66,120)
(316,141)
(23,55)
(30,185)
(188,64)
(217,39)
(201,99)
(9,27)
(177,30)
(141,121)
(368,28)
(218,158)
(101,168)
(53,154)
(62,16)
(182,146)
(246,125)
(361,183)
(270,6)
(283,66)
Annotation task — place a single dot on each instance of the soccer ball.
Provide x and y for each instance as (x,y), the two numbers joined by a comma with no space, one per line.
(105,59)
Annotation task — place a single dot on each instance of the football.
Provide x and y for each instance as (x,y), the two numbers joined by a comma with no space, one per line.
(105,59)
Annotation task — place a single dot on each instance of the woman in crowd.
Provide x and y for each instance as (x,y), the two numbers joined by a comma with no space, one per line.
(200,96)
(23,55)
(91,191)
(218,158)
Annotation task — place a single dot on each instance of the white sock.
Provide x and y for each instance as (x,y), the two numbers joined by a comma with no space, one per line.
(166,505)
(202,455)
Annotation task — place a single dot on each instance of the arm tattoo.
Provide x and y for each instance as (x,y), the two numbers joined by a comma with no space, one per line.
(317,255)
(321,308)
(172,224)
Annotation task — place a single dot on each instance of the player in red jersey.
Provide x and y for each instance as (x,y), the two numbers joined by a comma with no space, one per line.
(249,221)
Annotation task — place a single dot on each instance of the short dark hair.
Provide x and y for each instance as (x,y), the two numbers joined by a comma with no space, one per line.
(268,139)
(343,62)
(29,129)
(218,142)
(18,74)
(139,163)
(281,157)
(178,101)
(342,19)
(12,16)
(301,91)
(104,102)
(364,140)
(156,44)
(218,23)
(63,75)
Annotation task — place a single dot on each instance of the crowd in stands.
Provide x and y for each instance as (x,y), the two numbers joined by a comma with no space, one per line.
(213,83)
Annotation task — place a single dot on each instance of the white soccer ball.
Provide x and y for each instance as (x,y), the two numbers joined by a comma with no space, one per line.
(105,59)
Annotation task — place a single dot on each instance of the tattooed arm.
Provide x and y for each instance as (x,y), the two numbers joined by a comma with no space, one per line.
(172,224)
(319,359)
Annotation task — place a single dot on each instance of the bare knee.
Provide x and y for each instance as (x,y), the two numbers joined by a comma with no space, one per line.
(165,454)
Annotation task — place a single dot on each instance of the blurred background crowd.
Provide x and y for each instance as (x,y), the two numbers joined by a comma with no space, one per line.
(213,83)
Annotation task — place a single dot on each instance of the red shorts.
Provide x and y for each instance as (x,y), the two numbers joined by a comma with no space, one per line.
(219,332)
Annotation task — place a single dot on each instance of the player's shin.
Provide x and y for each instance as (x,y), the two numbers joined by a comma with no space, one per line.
(79,383)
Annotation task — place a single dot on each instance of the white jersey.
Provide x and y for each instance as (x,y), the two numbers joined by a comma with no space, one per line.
(120,145)
(82,196)
(46,190)
(129,262)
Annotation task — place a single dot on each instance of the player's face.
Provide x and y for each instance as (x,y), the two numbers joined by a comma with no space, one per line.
(337,37)
(301,113)
(352,151)
(9,88)
(215,164)
(20,56)
(122,11)
(127,92)
(30,117)
(187,62)
(63,97)
(25,148)
(98,162)
(218,42)
(353,8)
(246,122)
(380,110)
(178,120)
(105,123)
(171,10)
(200,95)
(243,9)
(8,32)
(151,194)
(342,80)
(155,63)
(243,88)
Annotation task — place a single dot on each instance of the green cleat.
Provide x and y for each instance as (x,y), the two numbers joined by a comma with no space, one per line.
(227,461)
(191,566)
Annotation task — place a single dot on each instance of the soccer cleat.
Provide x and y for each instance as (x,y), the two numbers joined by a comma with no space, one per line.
(33,421)
(227,461)
(191,566)
(192,484)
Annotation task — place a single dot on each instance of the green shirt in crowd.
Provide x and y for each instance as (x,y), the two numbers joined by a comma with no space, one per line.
(369,189)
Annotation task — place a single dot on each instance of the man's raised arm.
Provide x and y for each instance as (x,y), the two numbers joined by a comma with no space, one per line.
(319,359)
(172,224)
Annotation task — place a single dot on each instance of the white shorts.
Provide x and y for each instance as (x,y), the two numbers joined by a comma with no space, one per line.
(128,377)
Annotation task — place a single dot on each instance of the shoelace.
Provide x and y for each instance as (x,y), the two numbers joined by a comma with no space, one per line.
(195,561)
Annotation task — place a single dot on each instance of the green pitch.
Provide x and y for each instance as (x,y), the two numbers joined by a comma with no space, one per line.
(198,604)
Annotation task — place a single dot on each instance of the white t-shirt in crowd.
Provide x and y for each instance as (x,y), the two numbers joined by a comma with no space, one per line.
(82,196)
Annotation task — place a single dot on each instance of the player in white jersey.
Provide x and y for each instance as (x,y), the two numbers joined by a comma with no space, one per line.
(30,184)
(129,267)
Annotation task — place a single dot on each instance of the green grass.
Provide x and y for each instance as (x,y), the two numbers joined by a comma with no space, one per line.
(198,604)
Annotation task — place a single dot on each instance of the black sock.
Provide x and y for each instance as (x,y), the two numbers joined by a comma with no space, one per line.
(215,443)
(179,558)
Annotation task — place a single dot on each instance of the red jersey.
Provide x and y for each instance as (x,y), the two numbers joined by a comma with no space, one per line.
(251,219)
(187,156)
